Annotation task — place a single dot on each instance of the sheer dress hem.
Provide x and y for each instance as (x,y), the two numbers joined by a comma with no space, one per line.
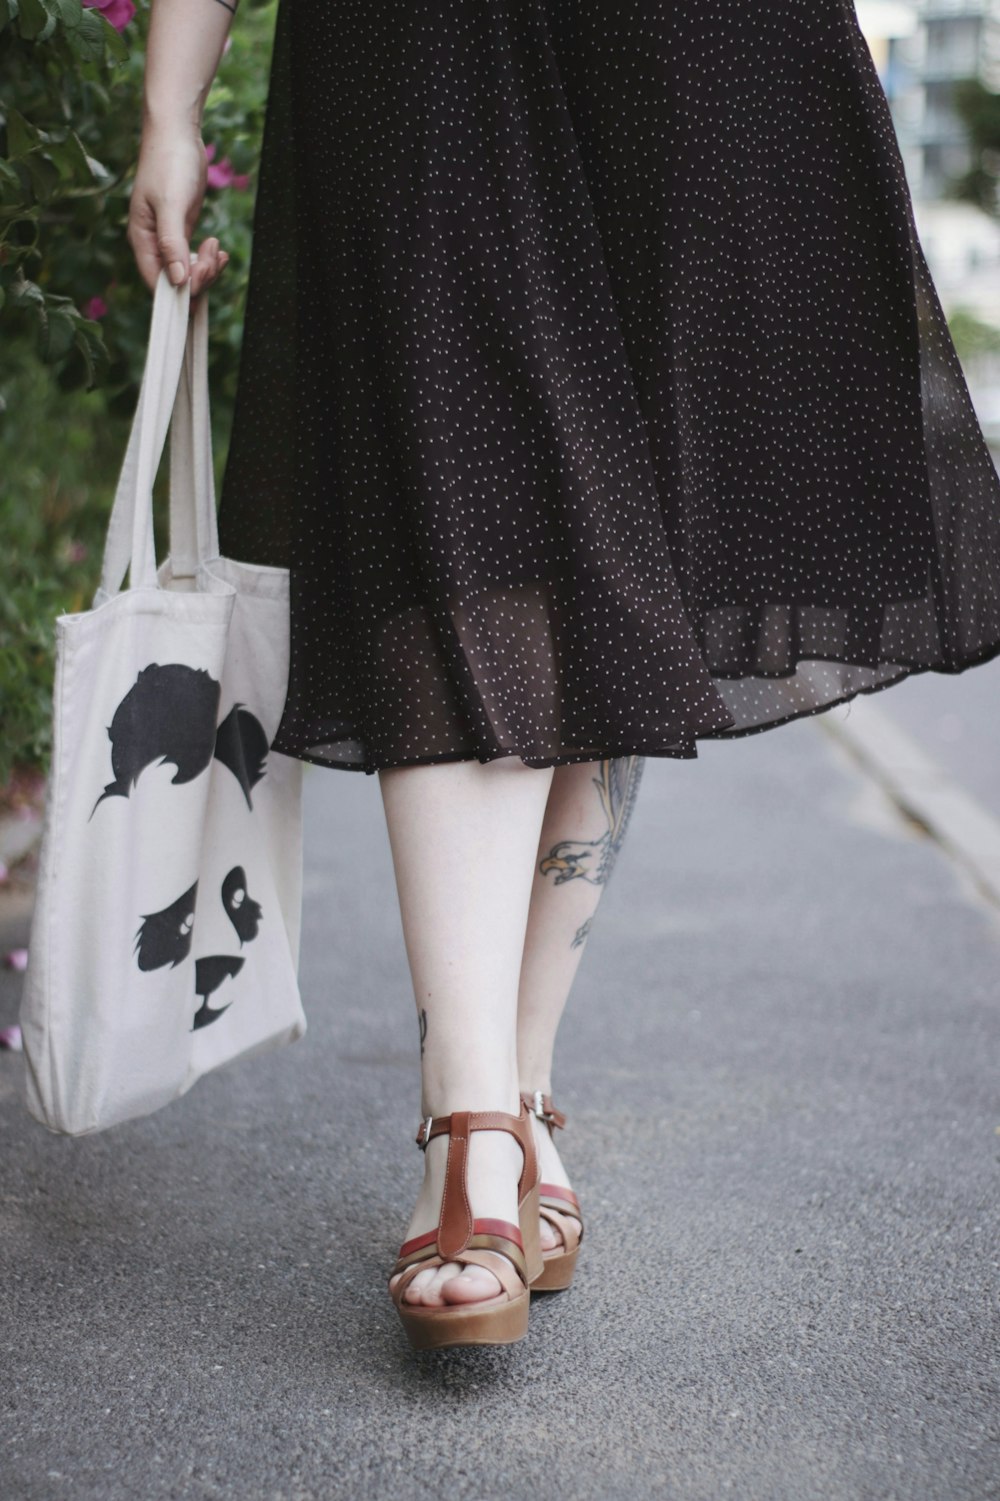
(682,750)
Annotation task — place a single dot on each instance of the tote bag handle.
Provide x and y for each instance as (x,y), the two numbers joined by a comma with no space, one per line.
(194,530)
(173,394)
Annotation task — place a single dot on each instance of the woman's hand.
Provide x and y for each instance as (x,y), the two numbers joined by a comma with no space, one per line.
(167,196)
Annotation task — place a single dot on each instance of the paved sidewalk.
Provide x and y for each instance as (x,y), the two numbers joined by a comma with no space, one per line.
(780,1069)
(956,720)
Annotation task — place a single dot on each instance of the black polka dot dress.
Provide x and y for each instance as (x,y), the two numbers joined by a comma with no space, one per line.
(593,385)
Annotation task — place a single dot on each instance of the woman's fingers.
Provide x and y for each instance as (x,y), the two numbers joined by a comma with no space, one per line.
(153,250)
(207,265)
(202,264)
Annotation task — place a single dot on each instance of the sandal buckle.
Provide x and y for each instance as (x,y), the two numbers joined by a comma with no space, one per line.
(424,1133)
(543,1108)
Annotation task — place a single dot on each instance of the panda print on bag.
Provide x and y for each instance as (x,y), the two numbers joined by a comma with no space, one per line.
(170,717)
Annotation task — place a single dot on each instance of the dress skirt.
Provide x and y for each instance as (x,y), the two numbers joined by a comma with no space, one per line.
(593,385)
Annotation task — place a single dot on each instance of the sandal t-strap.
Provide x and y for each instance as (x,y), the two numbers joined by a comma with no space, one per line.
(511,1252)
(559,1205)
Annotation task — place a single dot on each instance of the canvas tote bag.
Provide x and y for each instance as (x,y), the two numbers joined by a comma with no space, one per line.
(165,935)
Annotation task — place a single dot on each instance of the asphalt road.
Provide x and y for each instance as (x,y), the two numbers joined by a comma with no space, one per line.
(780,1067)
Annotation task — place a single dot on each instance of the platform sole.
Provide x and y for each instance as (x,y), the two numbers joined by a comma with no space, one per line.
(557,1273)
(447,1328)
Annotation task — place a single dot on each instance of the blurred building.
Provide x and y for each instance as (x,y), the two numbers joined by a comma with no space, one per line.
(922,48)
(885,23)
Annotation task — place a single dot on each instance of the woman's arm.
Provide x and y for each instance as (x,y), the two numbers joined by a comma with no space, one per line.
(185,42)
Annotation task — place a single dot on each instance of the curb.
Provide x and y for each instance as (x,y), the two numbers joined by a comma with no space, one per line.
(922,790)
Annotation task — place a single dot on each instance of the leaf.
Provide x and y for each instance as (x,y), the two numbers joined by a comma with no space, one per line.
(95,38)
(87,39)
(22,136)
(115,42)
(34,21)
(70,159)
(90,342)
(59,158)
(68,11)
(58,337)
(63,12)
(27,293)
(44,175)
(98,171)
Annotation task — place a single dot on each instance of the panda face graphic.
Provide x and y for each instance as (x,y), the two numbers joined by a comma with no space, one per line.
(168,719)
(165,937)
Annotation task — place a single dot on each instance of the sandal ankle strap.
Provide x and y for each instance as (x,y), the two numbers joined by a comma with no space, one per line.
(541,1105)
(456,1226)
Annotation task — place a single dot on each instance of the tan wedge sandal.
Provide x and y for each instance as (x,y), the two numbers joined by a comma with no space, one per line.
(560,1206)
(511,1252)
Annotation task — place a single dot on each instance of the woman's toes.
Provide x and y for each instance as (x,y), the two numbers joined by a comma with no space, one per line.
(451,1283)
(425,1289)
(474,1284)
(550,1238)
(418,1288)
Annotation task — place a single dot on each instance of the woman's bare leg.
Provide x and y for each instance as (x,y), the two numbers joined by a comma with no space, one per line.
(463,837)
(586,817)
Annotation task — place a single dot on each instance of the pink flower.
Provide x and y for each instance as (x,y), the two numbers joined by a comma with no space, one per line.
(94,307)
(10,1037)
(118,12)
(16,959)
(221,174)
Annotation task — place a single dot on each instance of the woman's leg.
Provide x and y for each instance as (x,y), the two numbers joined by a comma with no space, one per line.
(463,837)
(585,821)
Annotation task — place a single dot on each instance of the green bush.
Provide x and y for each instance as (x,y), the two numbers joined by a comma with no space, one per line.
(74,312)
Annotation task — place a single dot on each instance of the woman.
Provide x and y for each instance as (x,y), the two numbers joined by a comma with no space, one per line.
(596,393)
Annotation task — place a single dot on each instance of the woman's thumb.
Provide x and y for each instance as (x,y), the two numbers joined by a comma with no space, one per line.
(173,247)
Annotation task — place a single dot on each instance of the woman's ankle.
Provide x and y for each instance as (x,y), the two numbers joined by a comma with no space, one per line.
(494,1166)
(534,1079)
(443,1094)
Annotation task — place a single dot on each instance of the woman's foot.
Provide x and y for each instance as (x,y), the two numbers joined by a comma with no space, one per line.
(495,1164)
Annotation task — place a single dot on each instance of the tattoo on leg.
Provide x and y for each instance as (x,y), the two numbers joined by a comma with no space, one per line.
(594,859)
(228,5)
(580,936)
(423,1030)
